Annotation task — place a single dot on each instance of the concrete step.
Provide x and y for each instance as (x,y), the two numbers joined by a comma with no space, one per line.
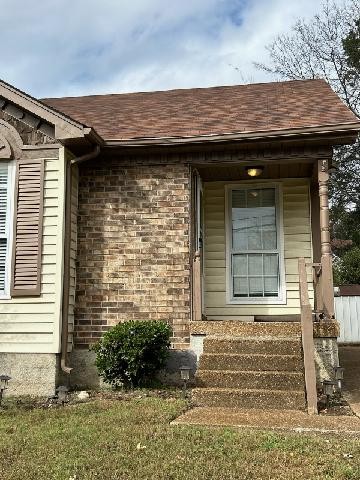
(255,398)
(246,329)
(254,362)
(250,379)
(279,346)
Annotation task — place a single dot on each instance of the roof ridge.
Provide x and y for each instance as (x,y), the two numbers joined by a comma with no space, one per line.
(192,89)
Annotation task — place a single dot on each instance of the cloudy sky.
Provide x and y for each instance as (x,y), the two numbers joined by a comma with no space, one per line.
(79,47)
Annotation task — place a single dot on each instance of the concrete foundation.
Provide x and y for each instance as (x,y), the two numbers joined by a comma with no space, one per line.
(32,374)
(326,349)
(84,374)
(326,358)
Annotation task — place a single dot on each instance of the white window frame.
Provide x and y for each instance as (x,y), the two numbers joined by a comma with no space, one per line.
(9,227)
(281,298)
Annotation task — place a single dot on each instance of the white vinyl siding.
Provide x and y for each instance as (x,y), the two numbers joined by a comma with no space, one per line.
(32,324)
(297,243)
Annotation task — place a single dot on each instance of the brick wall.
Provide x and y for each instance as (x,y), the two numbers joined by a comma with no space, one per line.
(133,247)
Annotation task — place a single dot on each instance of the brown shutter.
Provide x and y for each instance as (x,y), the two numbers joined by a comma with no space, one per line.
(28,219)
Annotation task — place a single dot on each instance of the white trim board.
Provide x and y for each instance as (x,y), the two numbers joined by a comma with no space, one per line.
(281,298)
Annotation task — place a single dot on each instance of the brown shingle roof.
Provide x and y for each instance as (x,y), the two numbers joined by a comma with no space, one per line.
(208,111)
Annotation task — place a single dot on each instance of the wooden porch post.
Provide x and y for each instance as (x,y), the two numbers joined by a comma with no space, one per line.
(196,249)
(327,286)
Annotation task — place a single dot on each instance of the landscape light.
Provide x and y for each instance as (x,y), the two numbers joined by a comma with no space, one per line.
(4,380)
(185,376)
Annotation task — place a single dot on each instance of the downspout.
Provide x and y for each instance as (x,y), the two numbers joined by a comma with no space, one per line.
(67,245)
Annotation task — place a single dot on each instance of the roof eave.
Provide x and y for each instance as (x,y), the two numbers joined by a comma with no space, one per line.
(64,128)
(349,131)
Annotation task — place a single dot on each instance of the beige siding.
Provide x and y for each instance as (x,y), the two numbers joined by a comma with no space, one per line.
(32,324)
(297,242)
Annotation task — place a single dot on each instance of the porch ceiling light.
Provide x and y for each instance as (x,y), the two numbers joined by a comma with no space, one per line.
(254,171)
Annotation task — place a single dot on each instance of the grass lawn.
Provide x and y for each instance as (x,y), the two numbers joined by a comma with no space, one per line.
(132,439)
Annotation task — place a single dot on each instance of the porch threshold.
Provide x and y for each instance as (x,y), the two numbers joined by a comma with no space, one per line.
(239,328)
(282,420)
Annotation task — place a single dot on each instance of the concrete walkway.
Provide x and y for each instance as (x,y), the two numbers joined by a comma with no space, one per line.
(349,356)
(286,420)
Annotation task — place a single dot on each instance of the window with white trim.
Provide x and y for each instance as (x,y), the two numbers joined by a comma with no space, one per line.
(5,226)
(254,242)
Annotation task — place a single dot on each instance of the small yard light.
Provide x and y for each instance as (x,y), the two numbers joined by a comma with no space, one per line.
(339,375)
(185,376)
(254,171)
(4,380)
(328,389)
(62,394)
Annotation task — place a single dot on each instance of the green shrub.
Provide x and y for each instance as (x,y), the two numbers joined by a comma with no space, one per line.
(131,353)
(347,268)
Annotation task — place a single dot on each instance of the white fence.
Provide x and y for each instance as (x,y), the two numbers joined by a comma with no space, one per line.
(347,313)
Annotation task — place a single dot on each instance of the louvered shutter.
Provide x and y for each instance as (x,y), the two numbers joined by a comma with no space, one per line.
(28,217)
(4,228)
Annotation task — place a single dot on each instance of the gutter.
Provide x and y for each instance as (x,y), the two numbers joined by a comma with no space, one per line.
(67,245)
(347,128)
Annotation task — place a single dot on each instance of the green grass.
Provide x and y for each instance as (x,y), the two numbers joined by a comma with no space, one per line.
(132,439)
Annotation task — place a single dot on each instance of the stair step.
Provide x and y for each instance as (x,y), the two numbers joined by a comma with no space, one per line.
(254,362)
(236,398)
(238,328)
(283,346)
(249,379)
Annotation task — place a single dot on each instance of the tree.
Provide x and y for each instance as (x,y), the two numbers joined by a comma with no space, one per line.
(351,46)
(347,268)
(327,47)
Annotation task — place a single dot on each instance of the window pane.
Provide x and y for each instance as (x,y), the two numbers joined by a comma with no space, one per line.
(254,219)
(255,264)
(240,234)
(240,265)
(241,287)
(255,286)
(269,240)
(254,233)
(271,286)
(253,198)
(271,264)
(254,230)
(268,197)
(238,199)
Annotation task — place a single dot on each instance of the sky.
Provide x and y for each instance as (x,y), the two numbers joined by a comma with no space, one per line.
(54,48)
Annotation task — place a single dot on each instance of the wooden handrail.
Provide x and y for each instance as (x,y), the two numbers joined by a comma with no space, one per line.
(307,336)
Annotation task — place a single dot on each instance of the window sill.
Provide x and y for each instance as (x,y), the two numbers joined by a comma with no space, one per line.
(257,301)
(5,297)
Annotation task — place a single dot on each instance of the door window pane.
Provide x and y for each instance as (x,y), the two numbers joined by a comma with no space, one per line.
(255,255)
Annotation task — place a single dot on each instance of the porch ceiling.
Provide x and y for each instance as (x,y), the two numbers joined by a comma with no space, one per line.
(212,173)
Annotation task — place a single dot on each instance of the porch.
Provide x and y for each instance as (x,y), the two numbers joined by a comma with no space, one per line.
(248,234)
(261,277)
